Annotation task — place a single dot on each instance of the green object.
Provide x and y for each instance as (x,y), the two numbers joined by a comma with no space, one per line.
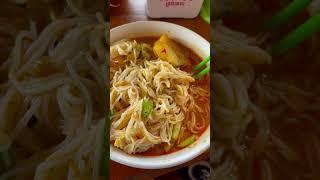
(205,11)
(285,14)
(175,134)
(176,131)
(111,113)
(147,107)
(187,141)
(203,63)
(203,72)
(298,35)
(200,65)
(7,160)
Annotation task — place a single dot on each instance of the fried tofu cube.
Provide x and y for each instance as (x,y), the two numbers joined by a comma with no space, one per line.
(168,50)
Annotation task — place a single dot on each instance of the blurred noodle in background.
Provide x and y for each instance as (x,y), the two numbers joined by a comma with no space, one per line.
(52,89)
(266,108)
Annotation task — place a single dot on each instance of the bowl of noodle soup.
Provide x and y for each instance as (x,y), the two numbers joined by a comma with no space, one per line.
(152,147)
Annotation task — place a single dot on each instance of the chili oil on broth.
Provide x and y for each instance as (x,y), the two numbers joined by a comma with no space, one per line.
(203,83)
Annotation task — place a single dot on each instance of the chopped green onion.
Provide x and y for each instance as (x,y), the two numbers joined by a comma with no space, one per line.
(202,63)
(174,137)
(111,113)
(289,11)
(298,35)
(176,131)
(188,141)
(205,11)
(147,107)
(203,72)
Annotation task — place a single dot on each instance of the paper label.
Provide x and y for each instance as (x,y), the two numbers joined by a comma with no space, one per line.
(173,8)
(175,3)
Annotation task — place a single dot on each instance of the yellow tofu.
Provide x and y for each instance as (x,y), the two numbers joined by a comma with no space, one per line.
(168,50)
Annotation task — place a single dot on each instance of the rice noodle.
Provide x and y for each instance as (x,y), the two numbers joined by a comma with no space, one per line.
(52,98)
(24,120)
(140,87)
(40,85)
(17,54)
(75,78)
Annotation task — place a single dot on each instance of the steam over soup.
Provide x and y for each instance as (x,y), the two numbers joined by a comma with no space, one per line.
(157,106)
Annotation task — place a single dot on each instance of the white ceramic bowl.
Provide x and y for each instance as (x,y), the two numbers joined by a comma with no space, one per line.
(189,39)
